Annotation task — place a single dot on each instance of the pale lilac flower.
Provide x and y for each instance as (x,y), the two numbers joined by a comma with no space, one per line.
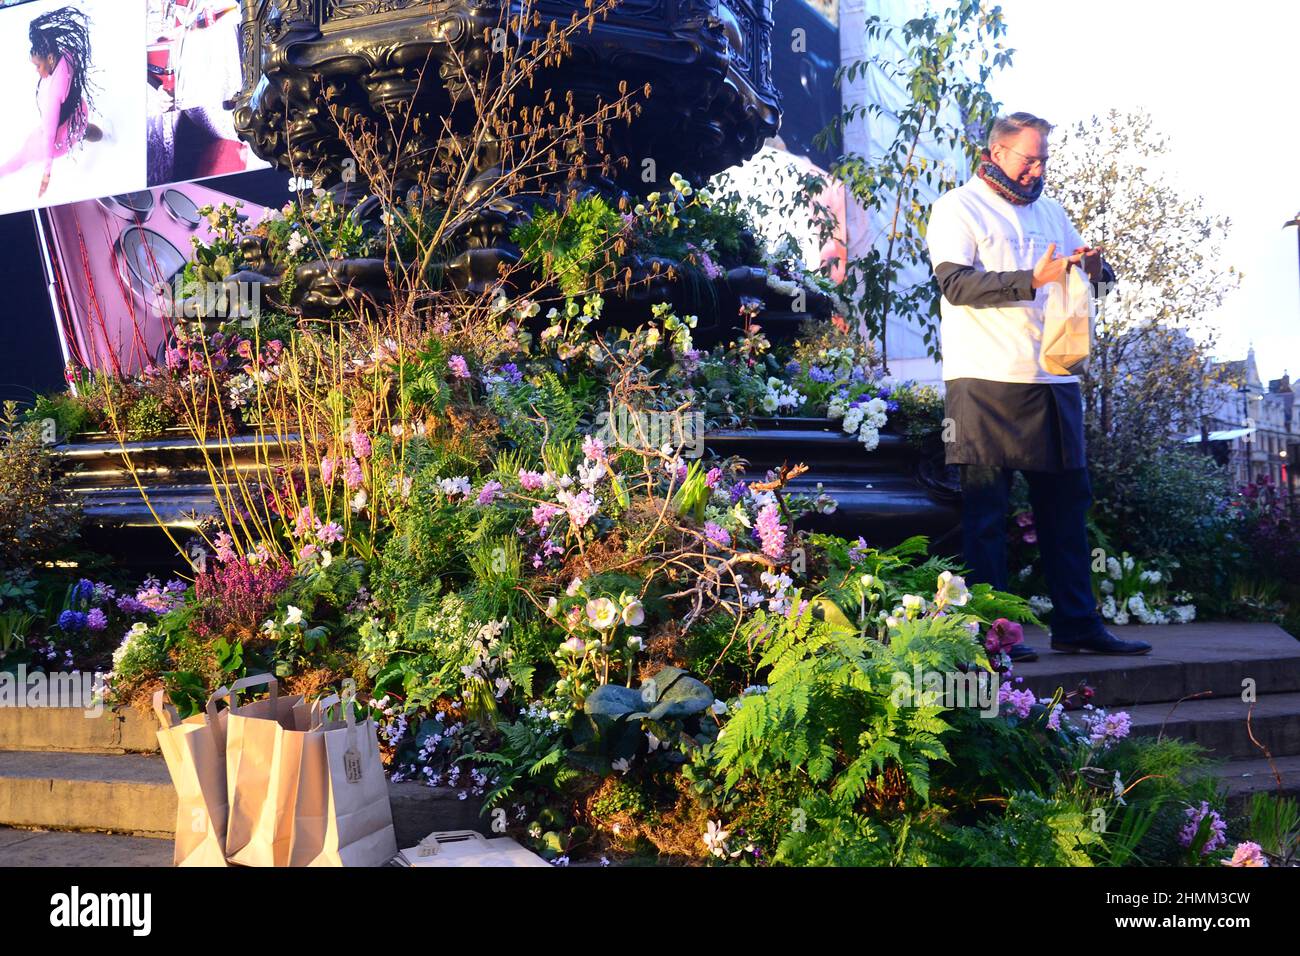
(459,367)
(716,534)
(1218,828)
(712,477)
(327,470)
(224,544)
(489,492)
(96,619)
(353,476)
(531,480)
(594,449)
(1105,728)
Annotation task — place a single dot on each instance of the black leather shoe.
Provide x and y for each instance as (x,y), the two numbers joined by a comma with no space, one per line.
(1021,654)
(1102,643)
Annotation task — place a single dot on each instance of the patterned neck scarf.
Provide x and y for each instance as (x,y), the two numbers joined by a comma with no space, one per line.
(1004,186)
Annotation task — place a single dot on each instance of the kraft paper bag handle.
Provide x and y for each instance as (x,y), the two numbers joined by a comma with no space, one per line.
(320,708)
(167,715)
(255,681)
(344,703)
(166,710)
(221,693)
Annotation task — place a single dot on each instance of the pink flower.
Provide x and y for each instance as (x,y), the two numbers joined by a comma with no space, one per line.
(489,492)
(1025,519)
(1031,537)
(330,533)
(770,531)
(1105,728)
(713,477)
(225,546)
(459,367)
(1247,854)
(305,523)
(327,470)
(543,513)
(1019,700)
(353,476)
(582,507)
(96,619)
(531,480)
(307,551)
(361,444)
(594,449)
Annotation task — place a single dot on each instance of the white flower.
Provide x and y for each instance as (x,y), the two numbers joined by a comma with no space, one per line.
(453,487)
(572,589)
(622,765)
(951,590)
(719,706)
(715,838)
(633,613)
(359,500)
(294,615)
(1113,569)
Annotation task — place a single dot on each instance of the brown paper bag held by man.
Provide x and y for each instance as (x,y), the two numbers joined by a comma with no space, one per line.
(994,246)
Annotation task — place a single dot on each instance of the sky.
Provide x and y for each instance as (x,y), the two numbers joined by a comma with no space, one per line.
(1222,81)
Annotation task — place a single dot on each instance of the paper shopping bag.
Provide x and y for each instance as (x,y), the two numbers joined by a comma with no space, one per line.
(342,815)
(1068,324)
(194,750)
(262,766)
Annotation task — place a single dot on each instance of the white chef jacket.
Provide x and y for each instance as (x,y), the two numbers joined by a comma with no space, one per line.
(973,226)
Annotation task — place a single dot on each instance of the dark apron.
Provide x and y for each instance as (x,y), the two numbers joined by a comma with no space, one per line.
(1034,426)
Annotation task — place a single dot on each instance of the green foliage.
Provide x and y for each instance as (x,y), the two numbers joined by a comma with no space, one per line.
(1275,826)
(529,753)
(830,710)
(1034,831)
(38,521)
(146,417)
(70,413)
(574,246)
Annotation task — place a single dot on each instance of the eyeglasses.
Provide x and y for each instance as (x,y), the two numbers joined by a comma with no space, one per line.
(1039,161)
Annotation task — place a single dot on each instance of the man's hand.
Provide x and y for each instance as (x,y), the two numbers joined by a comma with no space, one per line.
(1092,262)
(1051,268)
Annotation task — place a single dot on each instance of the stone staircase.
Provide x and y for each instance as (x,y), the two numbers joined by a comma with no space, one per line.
(1190,686)
(62,770)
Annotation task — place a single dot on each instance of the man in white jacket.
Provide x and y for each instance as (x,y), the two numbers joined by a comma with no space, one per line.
(993,246)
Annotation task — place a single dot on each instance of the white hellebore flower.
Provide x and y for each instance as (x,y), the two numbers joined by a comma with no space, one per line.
(294,615)
(574,645)
(602,613)
(633,613)
(715,838)
(951,590)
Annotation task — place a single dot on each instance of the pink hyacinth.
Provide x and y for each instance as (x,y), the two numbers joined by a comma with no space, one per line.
(330,533)
(305,523)
(713,476)
(594,449)
(361,444)
(327,470)
(543,513)
(1105,728)
(353,476)
(489,492)
(225,546)
(770,531)
(1018,700)
(531,480)
(459,367)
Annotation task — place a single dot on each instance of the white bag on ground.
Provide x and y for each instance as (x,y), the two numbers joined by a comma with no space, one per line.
(263,762)
(342,814)
(194,750)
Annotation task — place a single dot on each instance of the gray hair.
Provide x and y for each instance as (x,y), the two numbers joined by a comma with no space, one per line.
(1005,127)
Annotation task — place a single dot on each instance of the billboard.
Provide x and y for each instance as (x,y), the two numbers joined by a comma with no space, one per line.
(115,261)
(114,96)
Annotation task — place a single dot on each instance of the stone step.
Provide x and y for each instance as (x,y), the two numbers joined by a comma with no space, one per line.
(1186,659)
(133,793)
(1244,778)
(74,730)
(1219,724)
